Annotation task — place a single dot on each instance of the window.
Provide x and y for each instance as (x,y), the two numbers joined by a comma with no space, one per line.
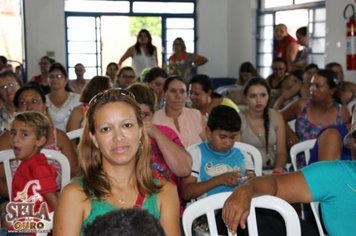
(98,34)
(294,14)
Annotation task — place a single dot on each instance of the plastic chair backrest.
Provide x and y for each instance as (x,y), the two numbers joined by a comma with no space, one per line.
(205,206)
(252,152)
(315,209)
(209,204)
(75,133)
(287,212)
(7,155)
(305,147)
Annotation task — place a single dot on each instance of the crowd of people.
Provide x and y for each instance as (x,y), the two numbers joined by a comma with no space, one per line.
(156,137)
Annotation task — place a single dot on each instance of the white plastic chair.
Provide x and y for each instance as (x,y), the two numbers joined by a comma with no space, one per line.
(75,133)
(315,209)
(7,155)
(208,205)
(252,152)
(301,147)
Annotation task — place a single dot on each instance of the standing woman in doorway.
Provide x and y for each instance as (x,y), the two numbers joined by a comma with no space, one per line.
(143,53)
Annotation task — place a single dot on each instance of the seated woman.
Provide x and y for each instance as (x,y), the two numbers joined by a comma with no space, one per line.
(202,96)
(114,156)
(96,84)
(32,98)
(61,102)
(154,79)
(169,158)
(263,127)
(318,111)
(188,123)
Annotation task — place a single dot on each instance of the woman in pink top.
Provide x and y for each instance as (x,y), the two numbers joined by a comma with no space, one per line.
(188,123)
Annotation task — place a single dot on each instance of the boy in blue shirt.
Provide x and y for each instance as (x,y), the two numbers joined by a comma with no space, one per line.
(218,166)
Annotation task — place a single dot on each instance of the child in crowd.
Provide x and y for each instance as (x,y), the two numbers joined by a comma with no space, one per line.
(218,166)
(34,180)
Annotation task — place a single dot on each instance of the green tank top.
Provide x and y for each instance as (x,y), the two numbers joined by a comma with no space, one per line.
(101,207)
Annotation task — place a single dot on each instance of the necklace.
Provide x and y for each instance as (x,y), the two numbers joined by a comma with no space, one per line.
(121,201)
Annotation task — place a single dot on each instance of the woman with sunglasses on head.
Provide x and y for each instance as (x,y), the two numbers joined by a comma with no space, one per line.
(61,102)
(114,156)
(8,87)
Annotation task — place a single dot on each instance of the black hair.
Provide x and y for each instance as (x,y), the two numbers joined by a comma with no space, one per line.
(31,86)
(302,31)
(150,47)
(171,79)
(3,60)
(330,76)
(310,66)
(58,66)
(128,222)
(153,73)
(266,118)
(225,118)
(204,81)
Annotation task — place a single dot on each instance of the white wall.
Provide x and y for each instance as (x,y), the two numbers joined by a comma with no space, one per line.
(44,23)
(336,35)
(226,33)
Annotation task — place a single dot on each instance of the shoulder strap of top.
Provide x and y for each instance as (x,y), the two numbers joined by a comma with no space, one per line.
(140,199)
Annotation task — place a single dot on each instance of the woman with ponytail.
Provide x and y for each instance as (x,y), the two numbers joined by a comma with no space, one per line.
(263,127)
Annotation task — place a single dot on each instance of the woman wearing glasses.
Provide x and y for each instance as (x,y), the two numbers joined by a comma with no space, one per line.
(60,101)
(8,88)
(114,156)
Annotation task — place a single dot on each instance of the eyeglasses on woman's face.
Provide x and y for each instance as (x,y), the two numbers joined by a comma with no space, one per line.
(7,86)
(56,76)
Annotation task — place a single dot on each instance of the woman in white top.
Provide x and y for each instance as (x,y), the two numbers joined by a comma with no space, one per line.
(60,101)
(143,53)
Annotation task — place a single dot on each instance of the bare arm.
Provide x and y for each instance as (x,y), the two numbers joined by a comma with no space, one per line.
(281,152)
(169,209)
(129,53)
(75,118)
(291,111)
(68,150)
(331,144)
(291,53)
(198,60)
(286,95)
(290,187)
(192,189)
(177,158)
(52,199)
(69,213)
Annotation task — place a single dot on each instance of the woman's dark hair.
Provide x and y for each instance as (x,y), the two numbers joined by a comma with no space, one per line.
(31,86)
(330,76)
(153,73)
(150,47)
(111,64)
(96,84)
(266,118)
(171,79)
(302,31)
(311,66)
(332,82)
(248,67)
(204,81)
(60,67)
